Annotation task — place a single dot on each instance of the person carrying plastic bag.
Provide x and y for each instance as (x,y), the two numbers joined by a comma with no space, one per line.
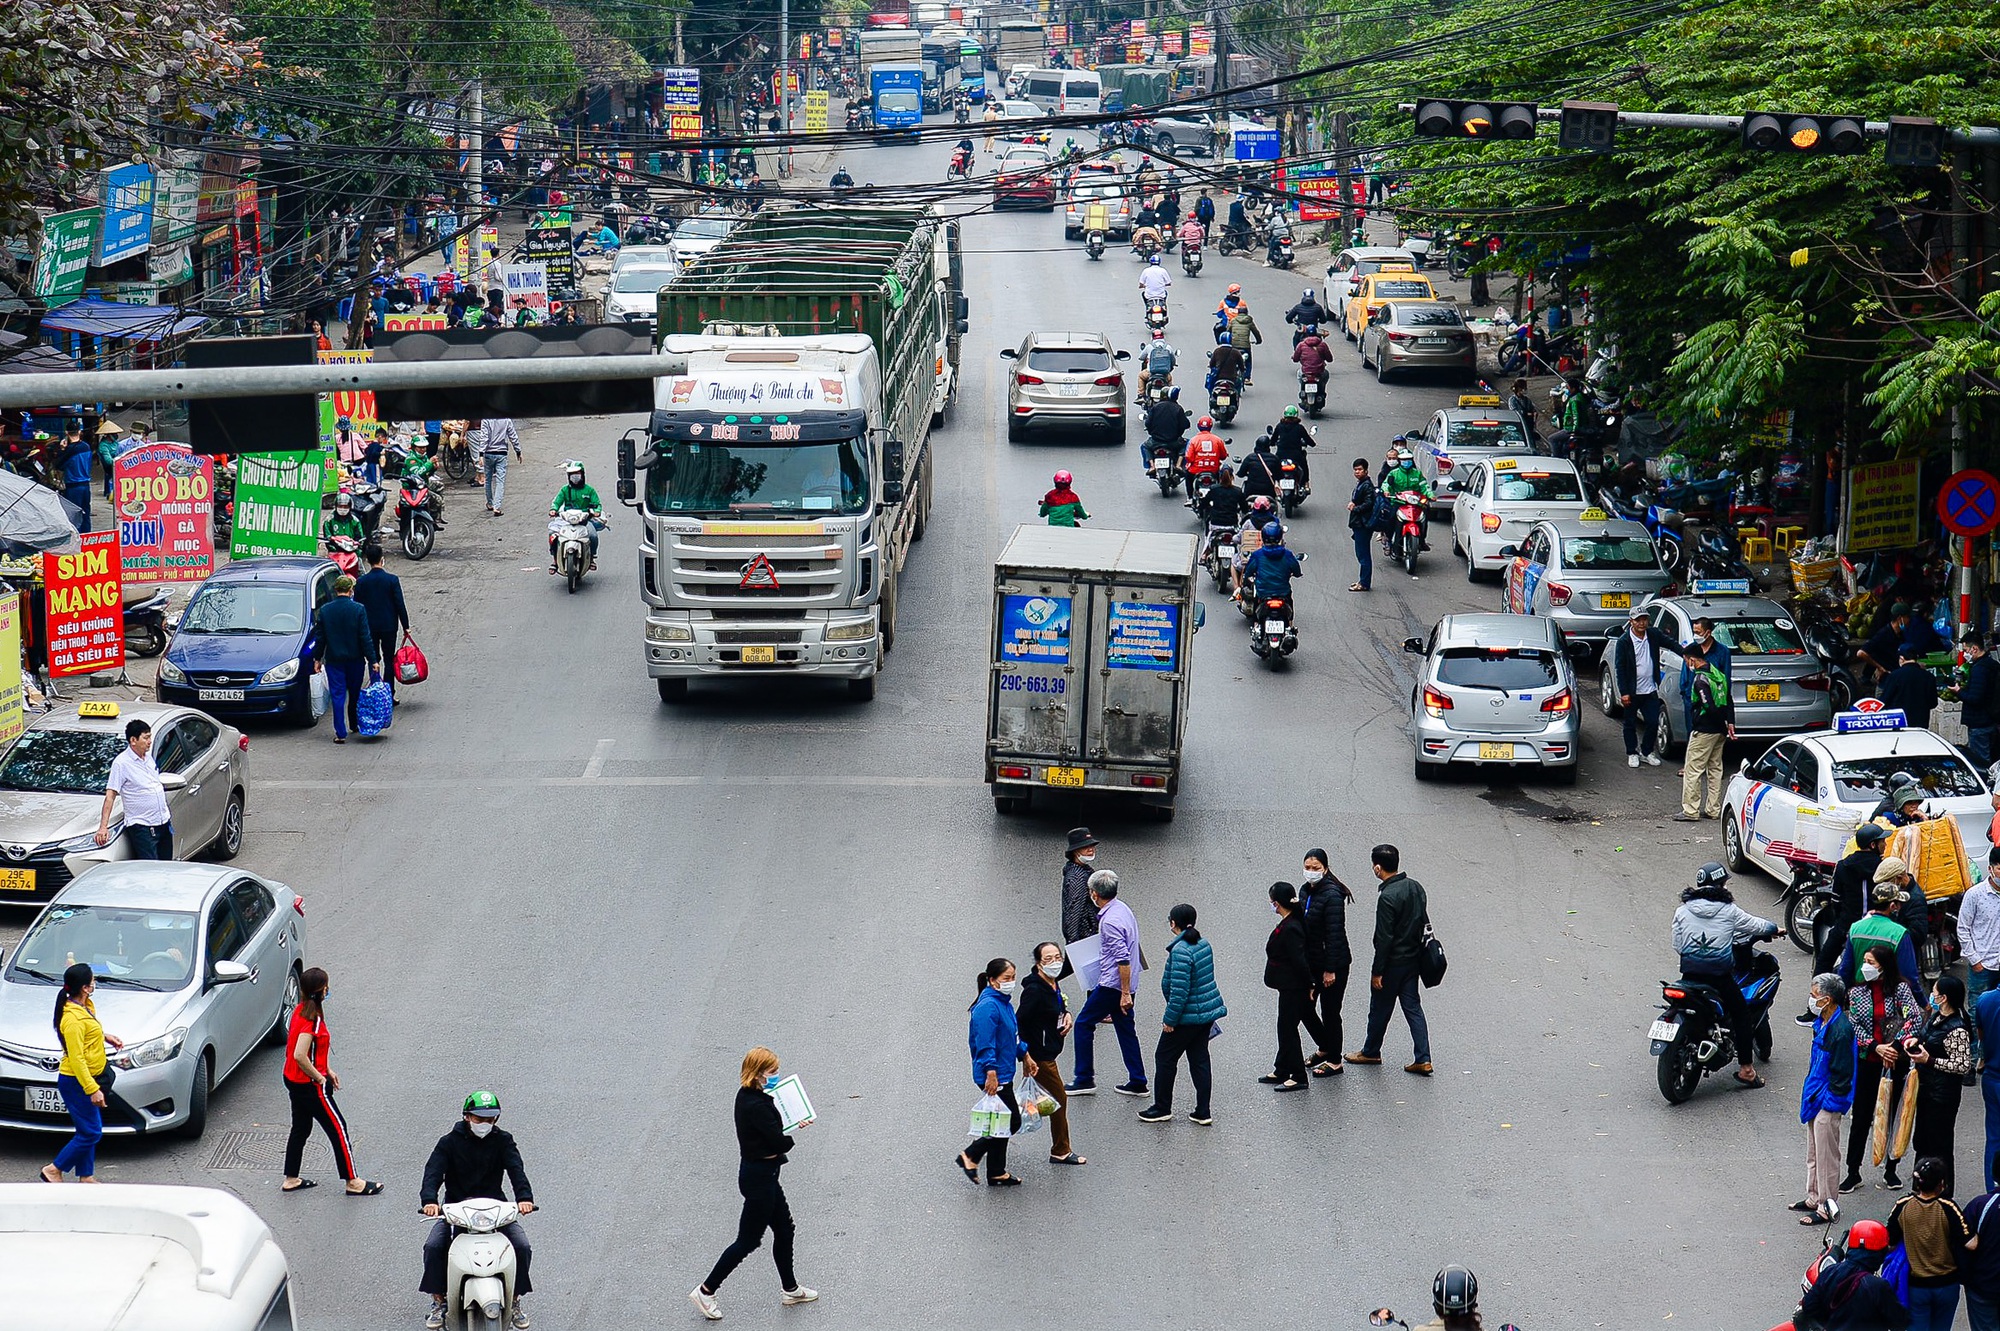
(995,1039)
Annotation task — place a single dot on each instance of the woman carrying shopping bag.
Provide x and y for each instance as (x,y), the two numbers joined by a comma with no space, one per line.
(1044,1022)
(996,1047)
(83,1076)
(1885,1012)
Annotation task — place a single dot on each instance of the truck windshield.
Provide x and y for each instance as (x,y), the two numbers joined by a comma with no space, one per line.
(692,477)
(896,100)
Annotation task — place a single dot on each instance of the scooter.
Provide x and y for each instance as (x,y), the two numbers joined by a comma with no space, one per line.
(571,530)
(416,515)
(1146,244)
(345,552)
(1412,517)
(1809,893)
(1165,467)
(1280,250)
(1292,489)
(1312,395)
(1273,635)
(1222,559)
(963,113)
(961,165)
(1191,260)
(1156,312)
(1691,1039)
(1198,486)
(1158,389)
(1223,400)
(1093,244)
(146,625)
(479,1265)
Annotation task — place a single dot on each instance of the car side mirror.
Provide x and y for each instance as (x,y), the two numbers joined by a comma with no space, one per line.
(1510,552)
(1742,765)
(1121,355)
(1008,353)
(1414,646)
(172,781)
(228,972)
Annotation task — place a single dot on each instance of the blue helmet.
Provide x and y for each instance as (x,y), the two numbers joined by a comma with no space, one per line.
(1153,259)
(1273,532)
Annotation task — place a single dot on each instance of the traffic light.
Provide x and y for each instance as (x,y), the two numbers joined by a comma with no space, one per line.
(1588,126)
(1476,120)
(1913,141)
(587,397)
(1783,131)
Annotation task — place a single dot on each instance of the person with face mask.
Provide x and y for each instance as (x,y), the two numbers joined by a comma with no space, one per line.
(576,494)
(1942,1057)
(311,1083)
(1882,923)
(1825,1097)
(1044,1020)
(1708,928)
(995,1037)
(1885,1012)
(1323,902)
(760,1134)
(472,1160)
(1288,970)
(1194,1005)
(1079,917)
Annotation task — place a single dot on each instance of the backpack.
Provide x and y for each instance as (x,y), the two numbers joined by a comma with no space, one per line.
(1160,358)
(1385,513)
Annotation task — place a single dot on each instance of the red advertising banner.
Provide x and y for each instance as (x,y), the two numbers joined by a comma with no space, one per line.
(1198,40)
(86,607)
(165,499)
(1059,34)
(1170,42)
(1136,30)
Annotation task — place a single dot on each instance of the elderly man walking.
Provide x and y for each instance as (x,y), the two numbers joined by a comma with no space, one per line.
(1825,1098)
(1111,998)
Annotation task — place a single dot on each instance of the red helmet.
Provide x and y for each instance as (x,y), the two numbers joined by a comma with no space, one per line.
(1235,289)
(1260,502)
(1868,1236)
(1205,423)
(1063,478)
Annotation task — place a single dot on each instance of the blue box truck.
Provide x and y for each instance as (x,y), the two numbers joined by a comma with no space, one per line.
(898,93)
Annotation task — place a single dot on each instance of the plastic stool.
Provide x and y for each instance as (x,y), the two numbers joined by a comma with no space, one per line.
(1788,539)
(1744,535)
(1757,550)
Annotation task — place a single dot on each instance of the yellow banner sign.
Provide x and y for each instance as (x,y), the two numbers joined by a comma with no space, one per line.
(13,714)
(1882,507)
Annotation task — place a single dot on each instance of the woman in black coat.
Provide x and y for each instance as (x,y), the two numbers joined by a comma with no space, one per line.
(1079,916)
(1323,902)
(760,1134)
(1287,970)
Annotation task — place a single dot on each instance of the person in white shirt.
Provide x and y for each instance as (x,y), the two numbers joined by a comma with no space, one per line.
(1979,936)
(1635,667)
(1154,280)
(136,780)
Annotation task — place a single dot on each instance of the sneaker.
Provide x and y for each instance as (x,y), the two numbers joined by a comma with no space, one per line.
(1652,760)
(1207,1120)
(518,1317)
(705,1304)
(1631,760)
(1131,1088)
(799,1294)
(1685,817)
(1850,1183)
(1081,1088)
(434,1319)
(1155,1114)
(1890,1179)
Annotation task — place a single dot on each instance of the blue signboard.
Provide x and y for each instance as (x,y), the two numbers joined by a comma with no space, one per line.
(128,213)
(1035,629)
(1255,145)
(1858,723)
(1143,636)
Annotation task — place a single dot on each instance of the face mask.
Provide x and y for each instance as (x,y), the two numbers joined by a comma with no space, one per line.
(1935,1005)
(481,1129)
(1315,875)
(1871,972)
(771,1082)
(1087,857)
(1053,970)
(1008,986)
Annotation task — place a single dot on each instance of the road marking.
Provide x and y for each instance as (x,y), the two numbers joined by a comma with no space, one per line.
(595,767)
(801,780)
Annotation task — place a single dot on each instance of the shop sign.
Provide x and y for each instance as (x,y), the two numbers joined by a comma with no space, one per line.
(1882,507)
(86,607)
(127,192)
(68,241)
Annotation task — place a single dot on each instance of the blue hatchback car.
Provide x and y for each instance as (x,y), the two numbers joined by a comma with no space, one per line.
(245,643)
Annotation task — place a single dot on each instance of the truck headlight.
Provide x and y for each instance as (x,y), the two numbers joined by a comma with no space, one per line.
(669,633)
(151,1053)
(171,673)
(278,674)
(858,631)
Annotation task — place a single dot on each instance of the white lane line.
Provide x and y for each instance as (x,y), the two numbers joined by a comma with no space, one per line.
(595,767)
(558,782)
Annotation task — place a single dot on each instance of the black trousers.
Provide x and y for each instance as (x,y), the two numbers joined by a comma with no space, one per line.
(438,1247)
(1295,1009)
(1937,1120)
(313,1103)
(1330,999)
(993,1150)
(1860,1119)
(1737,1011)
(385,649)
(764,1207)
(1191,1040)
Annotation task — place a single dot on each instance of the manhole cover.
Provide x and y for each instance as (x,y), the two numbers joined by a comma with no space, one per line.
(266,1151)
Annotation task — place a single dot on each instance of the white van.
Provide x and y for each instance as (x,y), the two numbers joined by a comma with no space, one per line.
(1082,93)
(1043,87)
(139,1257)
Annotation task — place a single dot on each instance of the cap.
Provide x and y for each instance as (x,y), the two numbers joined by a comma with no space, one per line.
(1889,870)
(1640,612)
(1079,839)
(1905,794)
(1869,834)
(1899,610)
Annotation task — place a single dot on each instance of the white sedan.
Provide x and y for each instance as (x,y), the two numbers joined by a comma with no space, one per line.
(1849,768)
(1505,496)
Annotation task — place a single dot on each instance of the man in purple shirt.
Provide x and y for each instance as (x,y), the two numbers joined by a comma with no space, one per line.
(1111,1000)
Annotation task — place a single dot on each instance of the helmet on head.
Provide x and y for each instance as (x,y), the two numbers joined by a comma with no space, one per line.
(1273,532)
(1456,1290)
(1174,393)
(1310,330)
(1309,296)
(1711,875)
(1407,458)
(1235,289)
(574,470)
(482,1104)
(1063,478)
(343,501)
(1153,260)
(1292,412)
(1868,1236)
(1205,423)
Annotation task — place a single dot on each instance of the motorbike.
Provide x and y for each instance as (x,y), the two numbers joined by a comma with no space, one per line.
(222,516)
(454,454)
(1156,312)
(1312,395)
(479,1265)
(1691,1039)
(961,165)
(1145,244)
(1158,389)
(416,515)
(571,529)
(345,552)
(1279,250)
(1198,486)
(1093,244)
(1825,632)
(146,625)
(1191,260)
(1273,634)
(1223,400)
(1233,240)
(1809,893)
(1165,468)
(1407,541)
(367,498)
(1221,559)
(963,113)
(1292,489)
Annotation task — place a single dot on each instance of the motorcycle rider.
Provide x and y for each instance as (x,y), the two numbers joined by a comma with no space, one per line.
(1062,506)
(345,522)
(1193,235)
(1312,355)
(1161,358)
(1205,454)
(575,494)
(841,180)
(1225,308)
(468,1162)
(1278,231)
(419,468)
(1166,425)
(1259,472)
(1237,229)
(1223,508)
(1225,362)
(1389,459)
(1250,538)
(1289,440)
(1455,1300)
(1145,239)
(1708,928)
(1154,280)
(1243,331)
(1853,1293)
(1271,567)
(961,157)
(1406,478)
(1307,315)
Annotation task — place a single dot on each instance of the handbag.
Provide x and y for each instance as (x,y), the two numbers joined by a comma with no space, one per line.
(376,710)
(991,1118)
(1431,959)
(411,665)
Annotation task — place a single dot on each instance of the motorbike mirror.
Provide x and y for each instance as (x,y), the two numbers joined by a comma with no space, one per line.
(1413,645)
(1382,1317)
(1200,616)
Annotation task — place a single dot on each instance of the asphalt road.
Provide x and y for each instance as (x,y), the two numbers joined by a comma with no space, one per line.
(546,883)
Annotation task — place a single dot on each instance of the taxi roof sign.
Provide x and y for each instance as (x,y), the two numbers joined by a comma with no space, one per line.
(1505,464)
(1876,718)
(104,709)
(1593,515)
(1720,587)
(1478,399)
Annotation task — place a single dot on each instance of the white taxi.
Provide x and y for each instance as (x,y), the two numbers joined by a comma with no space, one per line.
(1849,768)
(1502,498)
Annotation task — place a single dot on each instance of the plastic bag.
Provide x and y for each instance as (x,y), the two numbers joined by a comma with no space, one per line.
(376,710)
(1036,1104)
(411,666)
(991,1118)
(317,691)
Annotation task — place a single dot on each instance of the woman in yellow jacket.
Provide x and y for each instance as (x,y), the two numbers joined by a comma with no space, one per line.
(82,1077)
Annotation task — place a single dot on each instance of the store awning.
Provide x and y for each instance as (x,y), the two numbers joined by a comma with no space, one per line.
(36,360)
(106,318)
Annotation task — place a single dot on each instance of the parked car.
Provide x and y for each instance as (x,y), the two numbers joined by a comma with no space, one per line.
(1344,274)
(1065,379)
(1419,335)
(701,233)
(633,293)
(197,965)
(1586,573)
(245,644)
(1505,496)
(1495,691)
(52,791)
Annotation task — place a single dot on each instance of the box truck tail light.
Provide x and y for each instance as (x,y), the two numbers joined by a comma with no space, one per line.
(1013,773)
(1148,779)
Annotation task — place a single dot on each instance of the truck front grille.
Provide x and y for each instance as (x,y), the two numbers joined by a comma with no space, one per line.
(734,637)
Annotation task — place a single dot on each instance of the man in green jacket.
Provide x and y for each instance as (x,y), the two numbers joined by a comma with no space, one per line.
(1194,1005)
(1401,915)
(575,494)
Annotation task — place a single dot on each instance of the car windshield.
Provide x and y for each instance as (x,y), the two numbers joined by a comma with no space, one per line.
(1757,635)
(896,101)
(703,228)
(693,477)
(245,607)
(1609,552)
(126,946)
(1938,775)
(1402,289)
(73,762)
(634,280)
(1367,266)
(1486,434)
(1501,668)
(1069,360)
(1428,316)
(1534,487)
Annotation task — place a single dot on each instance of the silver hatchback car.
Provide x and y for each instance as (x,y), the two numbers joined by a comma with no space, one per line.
(1586,573)
(1065,379)
(1495,691)
(197,966)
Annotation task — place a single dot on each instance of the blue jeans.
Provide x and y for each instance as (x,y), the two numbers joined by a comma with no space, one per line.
(1642,723)
(79,1155)
(1364,555)
(496,479)
(150,843)
(1404,987)
(1979,742)
(1934,1308)
(1982,1314)
(80,496)
(1100,1006)
(343,689)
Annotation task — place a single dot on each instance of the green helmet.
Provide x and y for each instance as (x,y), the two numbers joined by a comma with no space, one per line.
(482,1104)
(1291,413)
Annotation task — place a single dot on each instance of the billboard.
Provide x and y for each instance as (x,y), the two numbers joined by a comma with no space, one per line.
(128,212)
(165,505)
(86,607)
(680,99)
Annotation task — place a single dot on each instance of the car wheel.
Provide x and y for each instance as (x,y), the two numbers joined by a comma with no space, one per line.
(1381,368)
(1663,742)
(1733,858)
(229,840)
(1606,698)
(204,1077)
(1471,567)
(282,1022)
(1164,142)
(1425,771)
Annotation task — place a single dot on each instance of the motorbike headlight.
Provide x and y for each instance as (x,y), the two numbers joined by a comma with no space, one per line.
(855,632)
(278,674)
(171,673)
(150,1054)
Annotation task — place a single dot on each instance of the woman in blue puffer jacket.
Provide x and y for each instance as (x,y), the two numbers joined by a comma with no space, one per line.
(996,1047)
(1194,1005)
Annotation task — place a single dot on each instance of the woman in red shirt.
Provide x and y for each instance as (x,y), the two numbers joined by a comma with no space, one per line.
(311,1085)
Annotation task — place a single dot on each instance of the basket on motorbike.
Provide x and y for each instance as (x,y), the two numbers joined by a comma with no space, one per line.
(1935,852)
(1813,575)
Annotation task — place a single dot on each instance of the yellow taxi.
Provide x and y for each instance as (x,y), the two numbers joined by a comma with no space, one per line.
(1376,290)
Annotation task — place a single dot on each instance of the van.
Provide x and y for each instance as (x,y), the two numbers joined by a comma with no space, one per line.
(1082,93)
(141,1257)
(1043,87)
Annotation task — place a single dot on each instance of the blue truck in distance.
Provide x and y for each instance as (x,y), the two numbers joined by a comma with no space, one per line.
(898,93)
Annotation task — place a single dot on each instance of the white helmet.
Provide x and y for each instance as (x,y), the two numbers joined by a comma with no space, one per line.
(574,470)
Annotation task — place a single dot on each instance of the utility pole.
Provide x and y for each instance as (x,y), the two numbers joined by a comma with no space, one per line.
(1341,176)
(680,47)
(785,83)
(475,166)
(1220,108)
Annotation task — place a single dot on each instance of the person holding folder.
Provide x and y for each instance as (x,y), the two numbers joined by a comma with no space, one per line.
(1111,996)
(760,1133)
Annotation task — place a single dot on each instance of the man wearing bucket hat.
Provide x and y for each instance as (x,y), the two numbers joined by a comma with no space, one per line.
(1881,924)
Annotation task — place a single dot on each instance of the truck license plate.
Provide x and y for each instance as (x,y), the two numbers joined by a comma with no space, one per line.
(44,1100)
(1496,753)
(1063,776)
(1664,1030)
(219,695)
(1615,601)
(17,880)
(1763,693)
(760,655)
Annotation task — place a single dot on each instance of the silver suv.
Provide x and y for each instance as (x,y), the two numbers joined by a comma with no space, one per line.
(1495,691)
(1065,379)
